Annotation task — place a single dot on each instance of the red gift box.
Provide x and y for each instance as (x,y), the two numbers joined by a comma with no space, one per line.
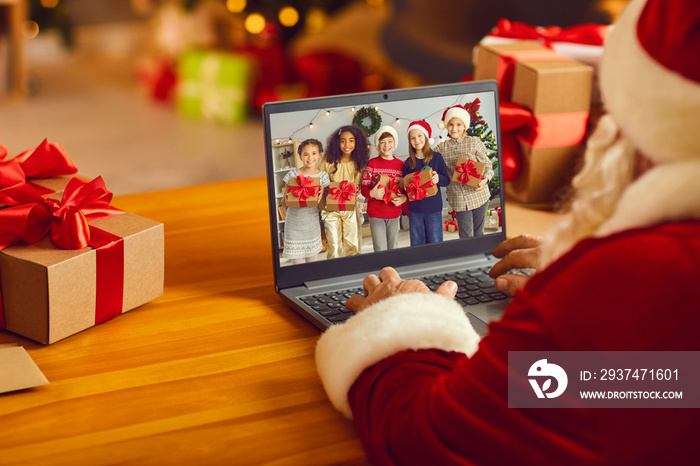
(420,185)
(469,172)
(303,191)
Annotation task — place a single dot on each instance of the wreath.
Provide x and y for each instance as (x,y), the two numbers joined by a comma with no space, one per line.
(374,118)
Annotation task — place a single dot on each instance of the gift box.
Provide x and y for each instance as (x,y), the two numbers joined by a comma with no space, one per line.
(47,167)
(469,172)
(213,86)
(342,196)
(50,292)
(419,185)
(393,187)
(449,225)
(558,94)
(493,219)
(303,191)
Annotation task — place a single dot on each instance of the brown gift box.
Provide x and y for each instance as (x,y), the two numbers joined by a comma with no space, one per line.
(425,176)
(311,201)
(473,181)
(549,88)
(49,293)
(333,205)
(384,181)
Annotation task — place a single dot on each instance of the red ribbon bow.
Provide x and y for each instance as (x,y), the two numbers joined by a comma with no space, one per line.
(472,108)
(588,34)
(449,223)
(344,193)
(415,190)
(392,189)
(305,189)
(44,161)
(468,170)
(30,217)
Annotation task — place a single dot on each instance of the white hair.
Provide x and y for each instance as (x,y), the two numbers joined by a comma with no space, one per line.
(608,169)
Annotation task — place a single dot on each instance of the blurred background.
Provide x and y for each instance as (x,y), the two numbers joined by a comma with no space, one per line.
(134,90)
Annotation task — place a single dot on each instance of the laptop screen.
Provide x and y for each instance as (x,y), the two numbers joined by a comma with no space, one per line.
(346,244)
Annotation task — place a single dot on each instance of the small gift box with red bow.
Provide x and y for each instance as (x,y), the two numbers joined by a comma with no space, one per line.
(469,172)
(393,187)
(342,196)
(69,264)
(449,225)
(303,191)
(420,185)
(46,167)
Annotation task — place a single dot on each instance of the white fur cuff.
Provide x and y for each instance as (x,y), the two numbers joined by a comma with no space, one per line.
(403,322)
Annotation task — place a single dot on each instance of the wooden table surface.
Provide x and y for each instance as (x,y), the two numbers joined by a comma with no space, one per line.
(217,371)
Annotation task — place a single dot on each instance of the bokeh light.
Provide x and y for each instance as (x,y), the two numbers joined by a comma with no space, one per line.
(236,6)
(255,23)
(288,16)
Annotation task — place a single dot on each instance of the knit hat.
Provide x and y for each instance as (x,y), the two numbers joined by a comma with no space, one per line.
(458,112)
(650,77)
(386,129)
(424,128)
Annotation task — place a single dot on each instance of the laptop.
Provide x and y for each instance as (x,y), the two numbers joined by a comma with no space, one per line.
(318,290)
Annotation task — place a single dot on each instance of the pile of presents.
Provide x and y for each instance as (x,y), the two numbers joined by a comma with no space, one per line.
(68,259)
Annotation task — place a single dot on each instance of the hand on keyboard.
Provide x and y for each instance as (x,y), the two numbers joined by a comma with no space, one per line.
(522,252)
(389,283)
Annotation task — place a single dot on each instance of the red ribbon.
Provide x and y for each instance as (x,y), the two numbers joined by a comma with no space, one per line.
(44,161)
(472,108)
(344,193)
(30,217)
(415,190)
(588,34)
(392,189)
(305,189)
(468,170)
(449,223)
(538,131)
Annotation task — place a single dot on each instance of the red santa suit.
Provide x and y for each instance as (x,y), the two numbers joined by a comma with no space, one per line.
(422,389)
(408,372)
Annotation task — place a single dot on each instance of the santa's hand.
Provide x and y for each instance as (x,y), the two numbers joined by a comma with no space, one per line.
(388,284)
(522,252)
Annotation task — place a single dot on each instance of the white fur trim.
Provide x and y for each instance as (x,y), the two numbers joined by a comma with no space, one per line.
(657,109)
(403,322)
(667,192)
(459,113)
(386,129)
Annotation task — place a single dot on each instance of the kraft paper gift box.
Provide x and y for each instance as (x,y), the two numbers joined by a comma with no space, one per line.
(393,187)
(468,172)
(558,94)
(342,196)
(419,185)
(303,191)
(50,293)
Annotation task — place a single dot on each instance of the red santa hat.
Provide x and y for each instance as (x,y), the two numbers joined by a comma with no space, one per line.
(650,77)
(423,127)
(386,129)
(458,112)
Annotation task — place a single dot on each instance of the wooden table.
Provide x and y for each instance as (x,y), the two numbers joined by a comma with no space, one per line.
(217,371)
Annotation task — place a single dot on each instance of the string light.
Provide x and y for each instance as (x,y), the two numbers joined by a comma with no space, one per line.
(397,118)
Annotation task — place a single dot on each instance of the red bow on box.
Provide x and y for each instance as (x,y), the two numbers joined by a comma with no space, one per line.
(44,161)
(305,189)
(415,190)
(589,34)
(467,170)
(345,193)
(30,217)
(392,189)
(450,223)
(538,131)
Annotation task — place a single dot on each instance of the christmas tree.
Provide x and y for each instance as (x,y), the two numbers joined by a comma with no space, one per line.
(480,129)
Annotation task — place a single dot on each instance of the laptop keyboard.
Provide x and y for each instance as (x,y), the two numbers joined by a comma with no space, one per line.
(474,287)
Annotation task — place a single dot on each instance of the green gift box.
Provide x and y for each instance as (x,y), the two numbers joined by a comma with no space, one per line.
(213,86)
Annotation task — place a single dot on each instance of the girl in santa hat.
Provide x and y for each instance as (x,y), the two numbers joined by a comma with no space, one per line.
(425,215)
(470,204)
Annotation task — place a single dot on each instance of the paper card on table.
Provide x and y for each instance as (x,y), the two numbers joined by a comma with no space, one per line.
(17,370)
